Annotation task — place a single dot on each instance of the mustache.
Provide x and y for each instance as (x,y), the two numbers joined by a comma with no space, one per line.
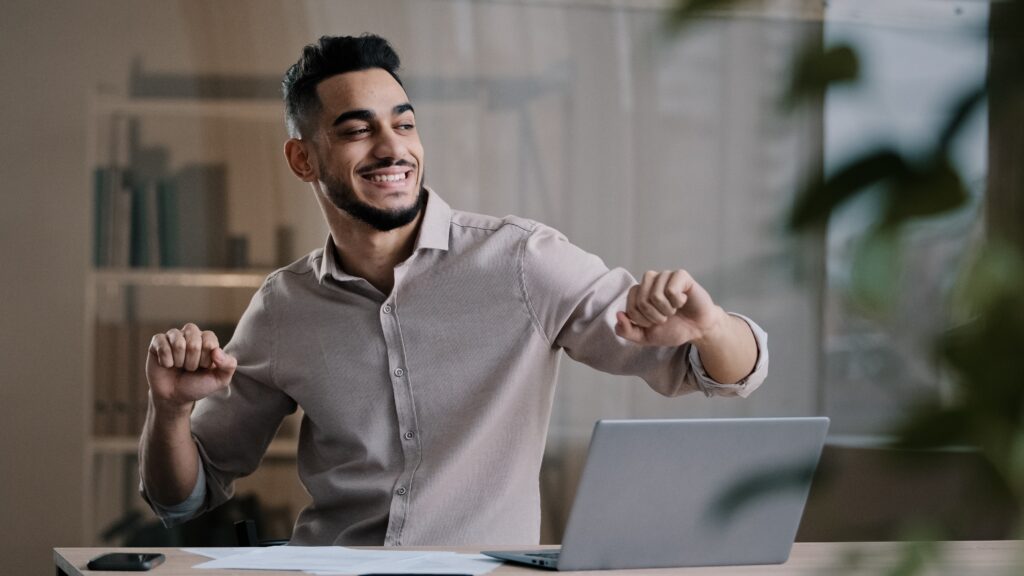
(387,163)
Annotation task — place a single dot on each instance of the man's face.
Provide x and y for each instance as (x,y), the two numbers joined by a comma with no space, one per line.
(368,150)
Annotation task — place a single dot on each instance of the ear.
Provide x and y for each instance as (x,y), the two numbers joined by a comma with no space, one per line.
(300,159)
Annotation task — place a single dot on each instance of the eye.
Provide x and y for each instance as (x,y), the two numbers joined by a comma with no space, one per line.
(350,130)
(406,126)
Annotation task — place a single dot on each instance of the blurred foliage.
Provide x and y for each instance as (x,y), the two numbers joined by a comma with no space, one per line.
(983,347)
(915,557)
(815,70)
(687,12)
(753,487)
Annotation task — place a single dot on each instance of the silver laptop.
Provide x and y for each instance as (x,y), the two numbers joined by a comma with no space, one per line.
(667,493)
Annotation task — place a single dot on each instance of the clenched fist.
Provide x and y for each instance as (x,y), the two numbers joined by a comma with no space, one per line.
(668,308)
(186,365)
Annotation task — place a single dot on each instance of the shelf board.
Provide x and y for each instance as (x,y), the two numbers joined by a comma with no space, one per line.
(129,446)
(200,278)
(114,445)
(256,109)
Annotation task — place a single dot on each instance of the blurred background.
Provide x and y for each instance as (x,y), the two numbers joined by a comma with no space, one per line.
(143,186)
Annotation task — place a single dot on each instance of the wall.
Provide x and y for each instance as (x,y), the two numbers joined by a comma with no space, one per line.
(52,56)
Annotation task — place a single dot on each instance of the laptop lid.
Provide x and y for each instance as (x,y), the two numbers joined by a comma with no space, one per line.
(663,493)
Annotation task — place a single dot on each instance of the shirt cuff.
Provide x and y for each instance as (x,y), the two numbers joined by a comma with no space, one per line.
(711,387)
(171,515)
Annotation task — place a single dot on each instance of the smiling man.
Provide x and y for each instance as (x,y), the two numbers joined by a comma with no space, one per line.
(422,342)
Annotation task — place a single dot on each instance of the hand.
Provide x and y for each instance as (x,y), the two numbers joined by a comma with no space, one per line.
(668,308)
(186,365)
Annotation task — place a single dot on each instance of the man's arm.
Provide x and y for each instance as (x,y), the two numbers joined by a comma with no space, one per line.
(182,366)
(170,460)
(670,309)
(661,329)
(729,352)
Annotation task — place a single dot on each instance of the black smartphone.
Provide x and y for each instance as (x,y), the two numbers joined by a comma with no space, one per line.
(125,561)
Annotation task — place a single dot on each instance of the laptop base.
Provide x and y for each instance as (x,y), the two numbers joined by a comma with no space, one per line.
(536,558)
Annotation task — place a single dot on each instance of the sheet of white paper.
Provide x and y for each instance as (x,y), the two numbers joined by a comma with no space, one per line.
(309,558)
(434,563)
(216,553)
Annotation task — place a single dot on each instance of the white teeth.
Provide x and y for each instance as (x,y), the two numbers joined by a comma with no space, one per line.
(387,177)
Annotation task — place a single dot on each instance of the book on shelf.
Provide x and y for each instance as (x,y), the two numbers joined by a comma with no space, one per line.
(103,380)
(175,221)
(139,335)
(111,380)
(194,202)
(145,237)
(113,215)
(123,358)
(167,224)
(102,214)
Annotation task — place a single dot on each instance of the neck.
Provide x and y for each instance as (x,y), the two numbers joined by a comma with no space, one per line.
(370,254)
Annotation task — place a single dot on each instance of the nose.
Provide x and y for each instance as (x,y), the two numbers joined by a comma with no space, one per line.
(389,145)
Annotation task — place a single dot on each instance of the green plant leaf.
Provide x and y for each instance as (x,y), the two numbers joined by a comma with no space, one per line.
(686,11)
(816,69)
(985,355)
(935,190)
(915,558)
(995,274)
(961,111)
(875,277)
(932,425)
(818,200)
(1016,464)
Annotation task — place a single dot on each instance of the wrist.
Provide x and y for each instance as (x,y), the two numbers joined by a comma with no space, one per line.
(169,411)
(716,330)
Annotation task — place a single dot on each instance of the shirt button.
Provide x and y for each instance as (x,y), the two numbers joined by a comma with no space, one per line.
(401,491)
(387,308)
(410,435)
(399,372)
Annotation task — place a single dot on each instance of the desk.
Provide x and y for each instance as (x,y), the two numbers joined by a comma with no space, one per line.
(989,558)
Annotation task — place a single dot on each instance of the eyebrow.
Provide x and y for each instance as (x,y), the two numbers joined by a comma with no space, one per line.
(367,115)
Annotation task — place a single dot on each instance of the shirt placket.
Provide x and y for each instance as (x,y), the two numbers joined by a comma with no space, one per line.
(402,491)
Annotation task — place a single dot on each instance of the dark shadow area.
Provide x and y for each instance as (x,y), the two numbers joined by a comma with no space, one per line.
(215,528)
(878,494)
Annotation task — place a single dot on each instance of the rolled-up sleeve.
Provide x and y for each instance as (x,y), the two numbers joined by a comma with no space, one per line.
(711,387)
(183,511)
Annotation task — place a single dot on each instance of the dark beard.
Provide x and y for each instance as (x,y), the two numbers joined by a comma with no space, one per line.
(383,220)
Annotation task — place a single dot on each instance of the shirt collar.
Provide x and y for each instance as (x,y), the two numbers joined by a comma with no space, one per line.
(436,224)
(433,234)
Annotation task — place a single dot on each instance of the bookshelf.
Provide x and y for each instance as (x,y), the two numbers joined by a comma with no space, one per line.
(188,219)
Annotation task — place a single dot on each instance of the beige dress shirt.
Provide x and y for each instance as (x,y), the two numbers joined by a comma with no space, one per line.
(426,409)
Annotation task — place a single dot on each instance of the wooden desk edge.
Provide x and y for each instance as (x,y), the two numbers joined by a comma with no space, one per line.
(71,561)
(64,568)
(991,557)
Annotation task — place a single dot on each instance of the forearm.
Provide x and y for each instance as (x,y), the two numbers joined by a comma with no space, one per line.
(728,352)
(169,458)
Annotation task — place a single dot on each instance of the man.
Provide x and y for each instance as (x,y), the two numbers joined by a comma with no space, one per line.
(421,342)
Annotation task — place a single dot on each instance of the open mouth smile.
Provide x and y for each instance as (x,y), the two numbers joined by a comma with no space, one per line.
(382,178)
(393,176)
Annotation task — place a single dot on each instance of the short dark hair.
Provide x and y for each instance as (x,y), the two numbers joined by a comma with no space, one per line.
(327,57)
